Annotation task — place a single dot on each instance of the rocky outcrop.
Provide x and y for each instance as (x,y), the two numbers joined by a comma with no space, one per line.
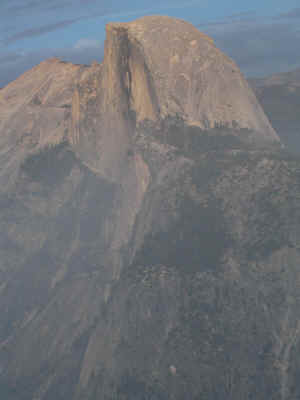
(190,78)
(149,241)
(34,112)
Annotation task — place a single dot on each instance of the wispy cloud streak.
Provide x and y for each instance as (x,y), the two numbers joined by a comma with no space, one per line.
(38,31)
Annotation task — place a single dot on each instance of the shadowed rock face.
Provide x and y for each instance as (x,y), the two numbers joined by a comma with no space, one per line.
(149,228)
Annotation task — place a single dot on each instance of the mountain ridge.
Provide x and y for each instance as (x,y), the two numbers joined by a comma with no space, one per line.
(134,84)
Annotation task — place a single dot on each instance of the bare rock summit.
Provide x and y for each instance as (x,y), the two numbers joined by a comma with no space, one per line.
(168,67)
(157,69)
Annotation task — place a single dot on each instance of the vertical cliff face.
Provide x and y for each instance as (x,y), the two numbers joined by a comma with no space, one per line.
(154,70)
(150,236)
(168,68)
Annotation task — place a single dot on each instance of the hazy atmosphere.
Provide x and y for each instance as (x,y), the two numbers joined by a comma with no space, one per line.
(149,200)
(262,36)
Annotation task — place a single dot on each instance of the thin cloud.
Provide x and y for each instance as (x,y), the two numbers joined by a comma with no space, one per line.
(295,13)
(9,57)
(85,43)
(27,7)
(245,14)
(28,33)
(260,46)
(104,12)
(20,9)
(58,6)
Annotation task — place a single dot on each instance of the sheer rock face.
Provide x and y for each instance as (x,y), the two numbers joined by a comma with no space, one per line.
(144,251)
(154,69)
(173,69)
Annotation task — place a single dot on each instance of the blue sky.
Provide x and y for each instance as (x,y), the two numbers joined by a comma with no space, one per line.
(262,36)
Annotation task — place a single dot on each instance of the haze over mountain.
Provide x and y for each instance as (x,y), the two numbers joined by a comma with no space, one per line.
(279,95)
(150,222)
